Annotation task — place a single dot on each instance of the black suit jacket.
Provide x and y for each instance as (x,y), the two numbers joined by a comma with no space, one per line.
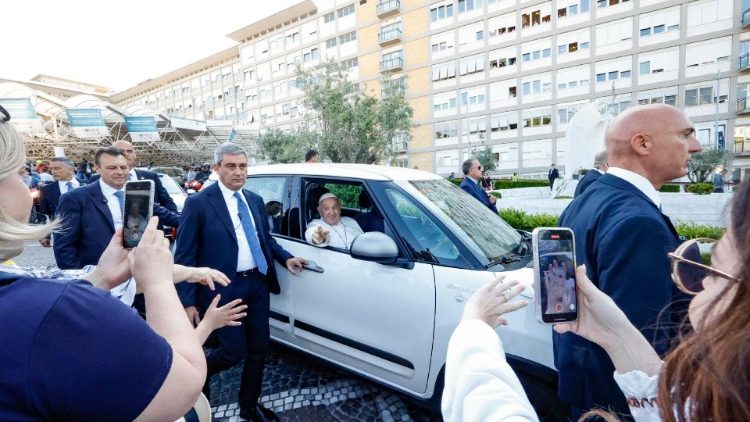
(206,238)
(88,226)
(161,196)
(623,239)
(553,174)
(49,197)
(586,180)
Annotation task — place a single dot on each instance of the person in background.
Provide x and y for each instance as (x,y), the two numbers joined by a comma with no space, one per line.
(139,370)
(472,174)
(552,175)
(703,377)
(312,156)
(452,176)
(273,208)
(84,171)
(161,196)
(63,170)
(718,179)
(44,175)
(192,172)
(623,239)
(514,178)
(600,167)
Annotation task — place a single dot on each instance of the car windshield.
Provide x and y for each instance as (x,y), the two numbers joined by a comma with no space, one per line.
(170,185)
(490,233)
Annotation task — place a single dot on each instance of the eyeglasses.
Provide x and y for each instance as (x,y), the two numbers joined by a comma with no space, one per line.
(479,167)
(691,265)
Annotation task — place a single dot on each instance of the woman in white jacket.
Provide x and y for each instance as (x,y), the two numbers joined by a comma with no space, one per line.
(705,377)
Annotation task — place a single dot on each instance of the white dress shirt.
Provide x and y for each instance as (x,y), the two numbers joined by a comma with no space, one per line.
(340,235)
(132,175)
(112,203)
(64,185)
(245,259)
(640,182)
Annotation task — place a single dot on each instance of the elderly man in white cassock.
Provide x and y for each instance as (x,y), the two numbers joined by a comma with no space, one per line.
(331,229)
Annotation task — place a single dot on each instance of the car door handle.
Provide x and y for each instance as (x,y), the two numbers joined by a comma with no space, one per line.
(312,266)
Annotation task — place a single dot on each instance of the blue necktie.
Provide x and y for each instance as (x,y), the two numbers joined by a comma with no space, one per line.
(70,187)
(252,238)
(121,199)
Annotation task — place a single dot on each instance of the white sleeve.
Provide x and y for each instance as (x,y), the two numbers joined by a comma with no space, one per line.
(308,234)
(640,392)
(479,383)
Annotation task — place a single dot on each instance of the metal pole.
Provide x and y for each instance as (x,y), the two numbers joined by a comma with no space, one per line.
(716,115)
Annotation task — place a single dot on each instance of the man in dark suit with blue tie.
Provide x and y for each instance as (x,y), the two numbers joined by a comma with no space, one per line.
(63,171)
(226,227)
(92,213)
(600,167)
(623,239)
(472,176)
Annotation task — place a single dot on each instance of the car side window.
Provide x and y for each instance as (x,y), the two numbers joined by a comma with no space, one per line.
(427,241)
(273,190)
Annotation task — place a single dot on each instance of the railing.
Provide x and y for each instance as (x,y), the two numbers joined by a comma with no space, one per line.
(745,18)
(386,7)
(389,35)
(744,61)
(742,105)
(391,64)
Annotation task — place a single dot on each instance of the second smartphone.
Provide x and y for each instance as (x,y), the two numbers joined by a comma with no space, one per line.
(554,274)
(139,207)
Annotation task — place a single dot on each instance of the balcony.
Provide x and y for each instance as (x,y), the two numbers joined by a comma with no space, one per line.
(742,106)
(744,62)
(400,147)
(745,19)
(389,36)
(392,64)
(388,8)
(393,87)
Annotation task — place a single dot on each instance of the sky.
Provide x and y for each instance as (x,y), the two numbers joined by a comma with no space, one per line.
(118,44)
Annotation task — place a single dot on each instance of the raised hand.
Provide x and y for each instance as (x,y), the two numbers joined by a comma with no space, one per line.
(319,235)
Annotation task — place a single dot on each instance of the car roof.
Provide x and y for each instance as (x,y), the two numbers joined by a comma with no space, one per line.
(356,171)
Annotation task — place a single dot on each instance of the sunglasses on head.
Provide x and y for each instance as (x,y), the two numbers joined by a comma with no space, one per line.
(691,264)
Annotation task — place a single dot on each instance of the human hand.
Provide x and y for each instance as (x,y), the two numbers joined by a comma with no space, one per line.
(229,314)
(204,275)
(151,261)
(46,242)
(558,299)
(113,268)
(295,265)
(193,315)
(319,235)
(599,318)
(491,301)
(493,199)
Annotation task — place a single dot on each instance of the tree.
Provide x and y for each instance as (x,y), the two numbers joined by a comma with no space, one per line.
(351,126)
(283,147)
(485,157)
(703,163)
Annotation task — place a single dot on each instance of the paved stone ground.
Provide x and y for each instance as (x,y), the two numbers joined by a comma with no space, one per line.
(296,386)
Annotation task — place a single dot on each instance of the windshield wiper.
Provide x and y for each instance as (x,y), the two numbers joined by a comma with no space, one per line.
(507,259)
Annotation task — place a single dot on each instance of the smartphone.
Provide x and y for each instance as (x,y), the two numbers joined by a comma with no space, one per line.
(554,274)
(139,207)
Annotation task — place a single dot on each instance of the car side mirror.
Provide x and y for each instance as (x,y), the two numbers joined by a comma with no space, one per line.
(375,246)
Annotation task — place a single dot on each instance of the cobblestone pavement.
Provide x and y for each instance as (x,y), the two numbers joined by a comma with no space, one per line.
(296,386)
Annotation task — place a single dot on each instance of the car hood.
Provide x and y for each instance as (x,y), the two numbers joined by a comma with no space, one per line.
(525,276)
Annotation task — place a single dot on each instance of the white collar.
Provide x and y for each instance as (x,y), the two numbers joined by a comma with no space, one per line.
(640,182)
(226,192)
(133,173)
(107,189)
(74,181)
(600,172)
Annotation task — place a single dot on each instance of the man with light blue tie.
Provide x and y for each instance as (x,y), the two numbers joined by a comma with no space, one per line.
(91,214)
(63,171)
(226,227)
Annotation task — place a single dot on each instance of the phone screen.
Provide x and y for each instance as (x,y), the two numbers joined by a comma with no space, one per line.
(138,209)
(556,266)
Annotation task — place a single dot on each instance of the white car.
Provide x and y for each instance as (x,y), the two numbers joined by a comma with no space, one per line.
(174,190)
(387,308)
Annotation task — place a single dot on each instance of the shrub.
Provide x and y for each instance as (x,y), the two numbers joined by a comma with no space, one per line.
(520,220)
(496,194)
(456,181)
(670,188)
(692,231)
(700,188)
(521,183)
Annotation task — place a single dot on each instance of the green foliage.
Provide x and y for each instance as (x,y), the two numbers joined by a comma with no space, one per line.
(521,183)
(348,194)
(700,188)
(456,181)
(283,147)
(694,231)
(563,197)
(520,220)
(670,188)
(497,195)
(706,161)
(352,127)
(485,157)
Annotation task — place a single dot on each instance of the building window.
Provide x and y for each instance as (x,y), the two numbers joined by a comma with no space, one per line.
(351,36)
(468,5)
(441,12)
(345,11)
(329,17)
(331,43)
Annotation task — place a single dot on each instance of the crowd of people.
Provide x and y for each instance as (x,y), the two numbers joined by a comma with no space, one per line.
(660,334)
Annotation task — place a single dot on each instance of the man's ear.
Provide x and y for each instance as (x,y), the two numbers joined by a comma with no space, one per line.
(640,144)
(216,167)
